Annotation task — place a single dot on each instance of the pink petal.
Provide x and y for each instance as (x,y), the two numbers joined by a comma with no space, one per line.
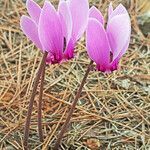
(95,13)
(120,10)
(114,65)
(80,12)
(97,44)
(110,9)
(124,48)
(50,31)
(115,62)
(118,31)
(34,10)
(69,52)
(30,30)
(66,20)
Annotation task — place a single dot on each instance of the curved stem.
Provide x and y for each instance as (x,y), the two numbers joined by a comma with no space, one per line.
(28,119)
(66,124)
(40,104)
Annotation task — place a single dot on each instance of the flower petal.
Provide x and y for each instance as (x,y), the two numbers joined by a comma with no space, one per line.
(50,31)
(69,52)
(118,31)
(80,12)
(66,20)
(120,10)
(95,13)
(97,44)
(34,10)
(30,30)
(115,62)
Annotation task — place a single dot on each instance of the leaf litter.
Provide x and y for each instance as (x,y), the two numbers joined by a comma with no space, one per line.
(113,111)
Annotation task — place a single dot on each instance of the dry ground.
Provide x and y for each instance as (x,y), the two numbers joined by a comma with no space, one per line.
(113,112)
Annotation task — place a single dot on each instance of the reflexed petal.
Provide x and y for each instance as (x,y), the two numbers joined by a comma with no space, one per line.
(30,30)
(97,43)
(80,12)
(66,20)
(69,52)
(34,10)
(50,31)
(118,31)
(95,13)
(110,9)
(120,10)
(124,48)
(114,63)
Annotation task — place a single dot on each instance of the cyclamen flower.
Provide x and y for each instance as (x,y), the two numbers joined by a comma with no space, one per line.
(56,31)
(106,46)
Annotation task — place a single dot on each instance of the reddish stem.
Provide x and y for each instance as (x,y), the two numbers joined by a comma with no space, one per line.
(40,104)
(30,108)
(66,124)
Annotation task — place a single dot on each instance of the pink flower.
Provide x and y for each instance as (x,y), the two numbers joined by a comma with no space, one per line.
(106,46)
(56,31)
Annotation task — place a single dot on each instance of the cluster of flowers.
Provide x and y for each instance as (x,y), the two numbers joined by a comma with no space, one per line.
(57,32)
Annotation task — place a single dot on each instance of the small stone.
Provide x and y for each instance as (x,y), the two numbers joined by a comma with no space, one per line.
(9,147)
(92,143)
(125,83)
(144,23)
(8,97)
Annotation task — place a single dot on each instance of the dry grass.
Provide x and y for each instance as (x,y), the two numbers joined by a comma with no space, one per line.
(113,111)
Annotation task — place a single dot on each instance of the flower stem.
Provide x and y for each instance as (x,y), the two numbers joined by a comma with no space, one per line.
(28,119)
(40,104)
(66,124)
